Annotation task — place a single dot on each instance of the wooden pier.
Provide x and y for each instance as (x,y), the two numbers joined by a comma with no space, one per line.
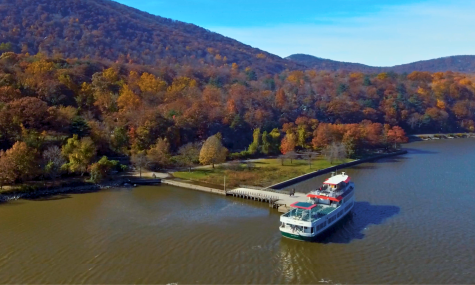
(276,199)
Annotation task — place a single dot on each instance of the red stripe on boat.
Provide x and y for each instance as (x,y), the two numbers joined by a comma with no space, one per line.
(338,199)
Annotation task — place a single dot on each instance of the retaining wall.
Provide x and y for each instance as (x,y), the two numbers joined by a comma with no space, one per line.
(299,179)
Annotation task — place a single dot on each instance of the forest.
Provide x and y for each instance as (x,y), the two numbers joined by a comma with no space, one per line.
(104,29)
(80,112)
(457,63)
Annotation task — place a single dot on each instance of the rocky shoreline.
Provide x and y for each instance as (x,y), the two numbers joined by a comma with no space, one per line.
(48,192)
(426,137)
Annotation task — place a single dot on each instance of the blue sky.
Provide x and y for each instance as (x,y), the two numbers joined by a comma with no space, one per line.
(380,33)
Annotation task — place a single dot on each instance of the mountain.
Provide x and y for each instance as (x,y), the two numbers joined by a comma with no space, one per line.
(107,30)
(104,29)
(460,63)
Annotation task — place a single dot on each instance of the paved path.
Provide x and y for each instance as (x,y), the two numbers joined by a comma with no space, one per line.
(193,187)
(149,174)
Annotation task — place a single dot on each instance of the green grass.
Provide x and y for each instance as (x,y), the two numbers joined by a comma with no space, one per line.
(264,172)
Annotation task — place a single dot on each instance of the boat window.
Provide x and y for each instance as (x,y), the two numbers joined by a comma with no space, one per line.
(312,230)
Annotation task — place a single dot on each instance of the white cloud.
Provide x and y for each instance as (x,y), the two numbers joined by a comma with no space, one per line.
(395,35)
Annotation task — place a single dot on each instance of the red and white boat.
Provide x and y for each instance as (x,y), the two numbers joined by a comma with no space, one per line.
(325,207)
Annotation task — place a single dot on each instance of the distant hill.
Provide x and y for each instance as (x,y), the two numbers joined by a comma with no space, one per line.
(460,63)
(104,29)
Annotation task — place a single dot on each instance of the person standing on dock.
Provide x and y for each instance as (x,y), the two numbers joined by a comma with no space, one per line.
(292,192)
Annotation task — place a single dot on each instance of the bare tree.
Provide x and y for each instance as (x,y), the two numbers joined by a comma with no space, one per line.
(140,160)
(310,156)
(282,158)
(335,151)
(250,164)
(53,160)
(234,165)
(291,155)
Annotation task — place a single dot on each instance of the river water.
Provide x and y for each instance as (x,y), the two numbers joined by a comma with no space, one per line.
(414,222)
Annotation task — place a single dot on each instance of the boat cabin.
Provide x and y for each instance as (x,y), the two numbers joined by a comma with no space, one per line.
(332,191)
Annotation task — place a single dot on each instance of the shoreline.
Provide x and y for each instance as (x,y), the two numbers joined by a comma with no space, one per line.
(443,136)
(120,181)
(298,179)
(86,187)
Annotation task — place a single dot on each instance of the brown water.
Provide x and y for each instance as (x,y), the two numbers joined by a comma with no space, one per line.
(414,222)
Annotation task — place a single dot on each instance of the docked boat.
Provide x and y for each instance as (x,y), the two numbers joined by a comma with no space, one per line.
(324,208)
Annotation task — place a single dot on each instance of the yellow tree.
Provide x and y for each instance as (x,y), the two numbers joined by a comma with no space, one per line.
(7,174)
(213,151)
(149,83)
(159,154)
(20,162)
(79,154)
(128,100)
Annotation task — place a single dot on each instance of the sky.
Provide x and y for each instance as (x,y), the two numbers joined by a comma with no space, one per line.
(378,33)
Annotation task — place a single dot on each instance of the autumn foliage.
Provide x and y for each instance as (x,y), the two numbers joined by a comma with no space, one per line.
(124,109)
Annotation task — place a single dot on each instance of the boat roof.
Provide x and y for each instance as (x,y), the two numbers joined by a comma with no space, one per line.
(337,179)
(303,205)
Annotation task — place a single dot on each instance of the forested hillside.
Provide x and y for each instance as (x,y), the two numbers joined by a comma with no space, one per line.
(126,109)
(460,63)
(104,29)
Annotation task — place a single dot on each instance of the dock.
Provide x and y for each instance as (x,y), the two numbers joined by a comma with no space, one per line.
(143,181)
(280,200)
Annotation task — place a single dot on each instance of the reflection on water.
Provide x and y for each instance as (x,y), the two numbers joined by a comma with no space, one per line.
(412,223)
(352,226)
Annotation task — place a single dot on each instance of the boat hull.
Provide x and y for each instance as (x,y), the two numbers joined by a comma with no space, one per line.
(299,237)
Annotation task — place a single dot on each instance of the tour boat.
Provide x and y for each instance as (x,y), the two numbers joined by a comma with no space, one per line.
(325,207)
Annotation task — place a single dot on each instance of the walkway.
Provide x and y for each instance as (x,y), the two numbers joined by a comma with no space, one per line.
(280,200)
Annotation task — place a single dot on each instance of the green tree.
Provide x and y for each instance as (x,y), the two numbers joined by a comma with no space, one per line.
(302,137)
(254,146)
(120,140)
(275,141)
(188,155)
(266,145)
(79,153)
(213,151)
(79,127)
(102,168)
(5,47)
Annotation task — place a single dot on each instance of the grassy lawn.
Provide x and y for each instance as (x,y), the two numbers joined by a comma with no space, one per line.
(263,172)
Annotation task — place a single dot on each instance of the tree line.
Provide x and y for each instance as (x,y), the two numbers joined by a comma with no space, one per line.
(165,111)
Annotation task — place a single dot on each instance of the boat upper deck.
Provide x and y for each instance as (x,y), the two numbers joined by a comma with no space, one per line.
(308,213)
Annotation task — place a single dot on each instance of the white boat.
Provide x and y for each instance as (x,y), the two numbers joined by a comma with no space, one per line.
(325,207)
